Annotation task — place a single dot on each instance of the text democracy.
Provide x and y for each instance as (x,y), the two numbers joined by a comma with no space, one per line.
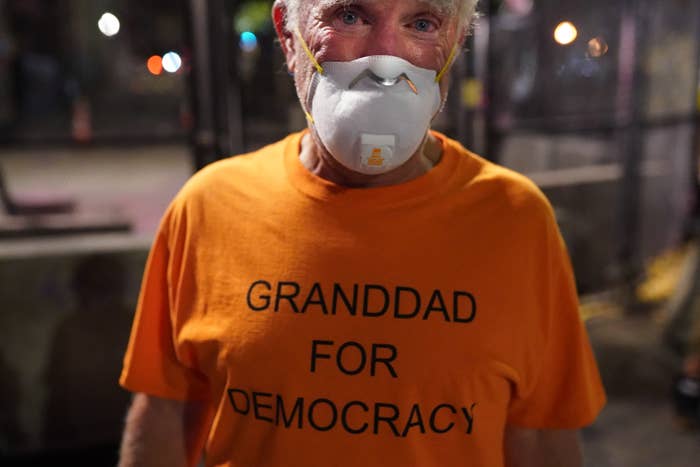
(354,417)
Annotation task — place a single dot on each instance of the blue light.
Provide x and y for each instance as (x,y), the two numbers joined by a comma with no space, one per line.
(249,41)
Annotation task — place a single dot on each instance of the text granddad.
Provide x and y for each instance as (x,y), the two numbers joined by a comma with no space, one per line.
(365,300)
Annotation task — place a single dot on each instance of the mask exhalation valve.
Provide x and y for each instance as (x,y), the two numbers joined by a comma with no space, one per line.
(377,150)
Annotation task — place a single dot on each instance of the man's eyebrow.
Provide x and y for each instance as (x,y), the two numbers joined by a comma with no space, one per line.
(321,8)
(443,7)
(321,5)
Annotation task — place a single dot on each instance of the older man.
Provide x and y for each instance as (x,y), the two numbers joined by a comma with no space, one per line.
(366,292)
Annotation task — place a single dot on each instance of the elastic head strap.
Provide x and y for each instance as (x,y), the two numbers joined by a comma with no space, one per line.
(318,66)
(450,59)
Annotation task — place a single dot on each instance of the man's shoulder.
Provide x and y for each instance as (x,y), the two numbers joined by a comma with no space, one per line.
(254,163)
(489,181)
(247,170)
(229,181)
(513,186)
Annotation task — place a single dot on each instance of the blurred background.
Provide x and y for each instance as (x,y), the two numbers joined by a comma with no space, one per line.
(108,106)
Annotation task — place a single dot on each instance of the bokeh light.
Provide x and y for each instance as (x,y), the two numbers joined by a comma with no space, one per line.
(172,62)
(519,7)
(249,41)
(565,33)
(155,65)
(597,47)
(109,24)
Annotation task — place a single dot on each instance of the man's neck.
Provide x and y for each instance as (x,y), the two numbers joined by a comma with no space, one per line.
(319,162)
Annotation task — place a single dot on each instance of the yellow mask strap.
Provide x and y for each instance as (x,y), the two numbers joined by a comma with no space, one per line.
(318,66)
(450,58)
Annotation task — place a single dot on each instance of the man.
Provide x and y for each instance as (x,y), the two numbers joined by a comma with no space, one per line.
(366,292)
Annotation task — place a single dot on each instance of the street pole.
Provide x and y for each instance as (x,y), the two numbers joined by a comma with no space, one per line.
(214,86)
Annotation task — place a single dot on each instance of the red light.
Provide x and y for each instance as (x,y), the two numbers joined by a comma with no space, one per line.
(155,65)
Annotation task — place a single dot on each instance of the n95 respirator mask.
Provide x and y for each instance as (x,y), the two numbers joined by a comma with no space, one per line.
(372,114)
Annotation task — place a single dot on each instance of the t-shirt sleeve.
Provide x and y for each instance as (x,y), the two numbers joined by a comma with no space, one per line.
(566,391)
(151,363)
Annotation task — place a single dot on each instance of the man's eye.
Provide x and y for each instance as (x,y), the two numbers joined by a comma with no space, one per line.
(349,17)
(423,25)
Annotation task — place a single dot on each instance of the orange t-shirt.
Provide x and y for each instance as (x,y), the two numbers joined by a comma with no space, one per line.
(331,326)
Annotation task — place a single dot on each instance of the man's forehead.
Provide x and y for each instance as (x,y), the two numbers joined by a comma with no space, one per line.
(442,6)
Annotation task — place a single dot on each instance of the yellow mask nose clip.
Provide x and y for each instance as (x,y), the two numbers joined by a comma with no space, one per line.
(388,82)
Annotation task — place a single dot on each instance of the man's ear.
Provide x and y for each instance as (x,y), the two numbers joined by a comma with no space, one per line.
(285,36)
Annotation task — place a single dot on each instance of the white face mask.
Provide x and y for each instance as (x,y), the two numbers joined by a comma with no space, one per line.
(372,113)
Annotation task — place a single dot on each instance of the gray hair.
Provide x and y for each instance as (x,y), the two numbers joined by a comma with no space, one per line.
(464,9)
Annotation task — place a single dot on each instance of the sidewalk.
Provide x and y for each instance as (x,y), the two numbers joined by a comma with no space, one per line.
(637,427)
